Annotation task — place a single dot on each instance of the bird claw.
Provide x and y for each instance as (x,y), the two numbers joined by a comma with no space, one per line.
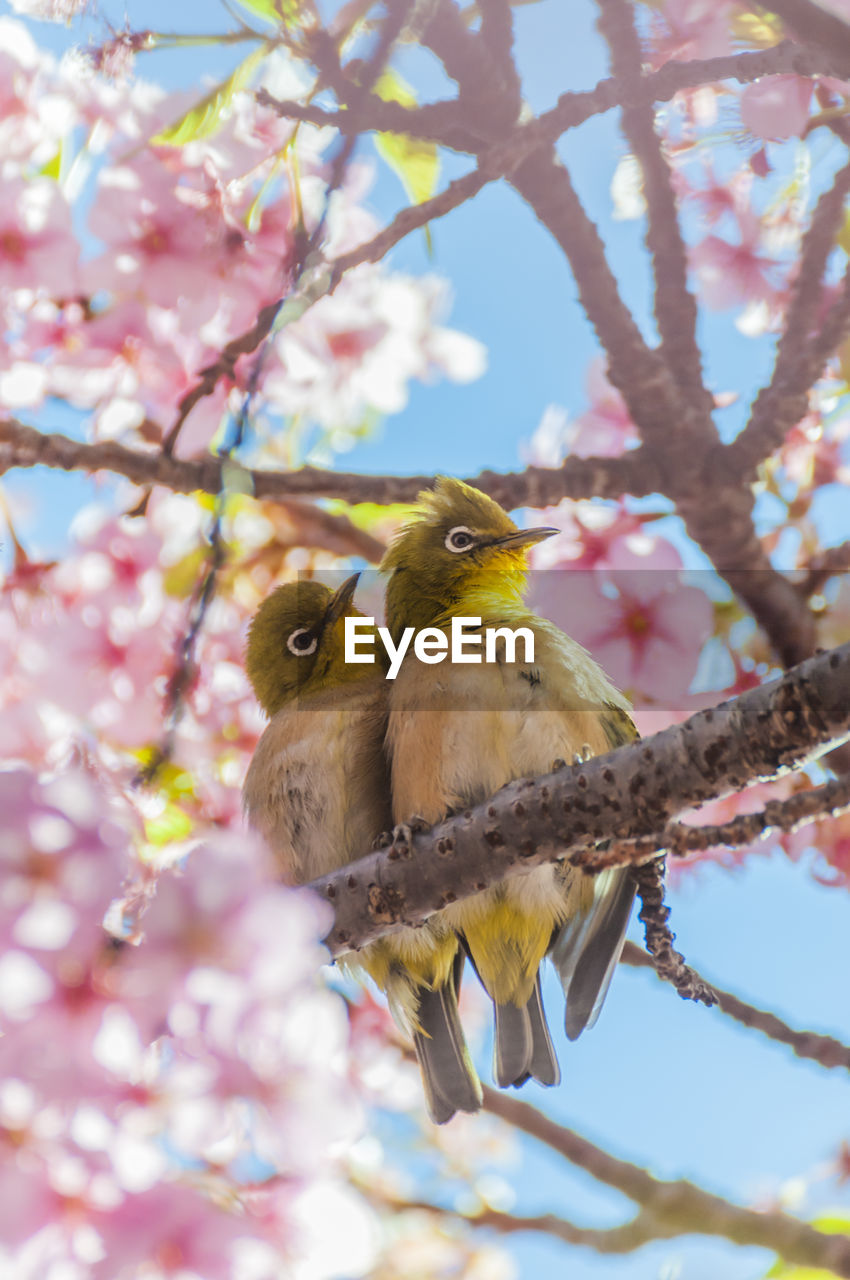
(382,841)
(583,755)
(404,832)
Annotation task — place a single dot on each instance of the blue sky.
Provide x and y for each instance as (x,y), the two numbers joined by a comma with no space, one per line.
(658,1081)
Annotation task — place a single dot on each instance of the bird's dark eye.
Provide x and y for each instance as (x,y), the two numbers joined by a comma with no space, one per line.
(301,642)
(460,539)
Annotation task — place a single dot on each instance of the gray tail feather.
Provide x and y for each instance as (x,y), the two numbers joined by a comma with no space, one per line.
(447,1072)
(544,1064)
(513,1043)
(523,1046)
(586,958)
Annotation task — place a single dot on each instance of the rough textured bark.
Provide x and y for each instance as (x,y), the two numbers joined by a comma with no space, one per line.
(629,792)
(812,25)
(23,446)
(675,306)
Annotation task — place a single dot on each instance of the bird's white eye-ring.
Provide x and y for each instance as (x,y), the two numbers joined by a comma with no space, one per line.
(302,642)
(460,538)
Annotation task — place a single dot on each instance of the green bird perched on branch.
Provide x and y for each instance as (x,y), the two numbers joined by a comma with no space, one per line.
(459,731)
(318,790)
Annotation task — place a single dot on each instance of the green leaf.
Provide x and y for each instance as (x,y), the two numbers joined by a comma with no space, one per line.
(205,117)
(53,167)
(416,163)
(280,12)
(391,87)
(170,827)
(180,578)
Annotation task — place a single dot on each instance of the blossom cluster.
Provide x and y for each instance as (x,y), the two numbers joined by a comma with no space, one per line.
(127,264)
(173,1086)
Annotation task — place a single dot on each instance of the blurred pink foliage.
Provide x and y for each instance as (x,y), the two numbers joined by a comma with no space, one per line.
(140,1065)
(181,248)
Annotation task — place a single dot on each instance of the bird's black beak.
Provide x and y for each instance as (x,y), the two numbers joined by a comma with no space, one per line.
(339,601)
(524,537)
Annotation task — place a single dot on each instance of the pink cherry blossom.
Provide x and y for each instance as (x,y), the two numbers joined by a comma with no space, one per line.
(776,107)
(714,196)
(163,236)
(205,1030)
(603,430)
(36,240)
(362,346)
(685,29)
(732,274)
(813,455)
(644,626)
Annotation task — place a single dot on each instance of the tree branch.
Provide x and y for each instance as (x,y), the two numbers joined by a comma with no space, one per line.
(443,122)
(414,216)
(812,25)
(325,276)
(24,446)
(812,1045)
(822,566)
(680,1207)
(497,32)
(629,792)
(680,838)
(718,515)
(654,915)
(800,357)
(694,469)
(636,370)
(625,1239)
(675,308)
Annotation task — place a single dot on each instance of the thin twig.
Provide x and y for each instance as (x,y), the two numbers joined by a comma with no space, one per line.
(812,1045)
(24,446)
(305,248)
(574,107)
(443,122)
(654,915)
(681,1207)
(682,839)
(614,1240)
(412,217)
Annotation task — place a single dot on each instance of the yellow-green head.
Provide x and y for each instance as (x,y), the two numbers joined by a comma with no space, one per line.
(461,553)
(296,643)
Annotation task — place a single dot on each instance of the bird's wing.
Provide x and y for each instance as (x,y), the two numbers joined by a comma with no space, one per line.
(586,948)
